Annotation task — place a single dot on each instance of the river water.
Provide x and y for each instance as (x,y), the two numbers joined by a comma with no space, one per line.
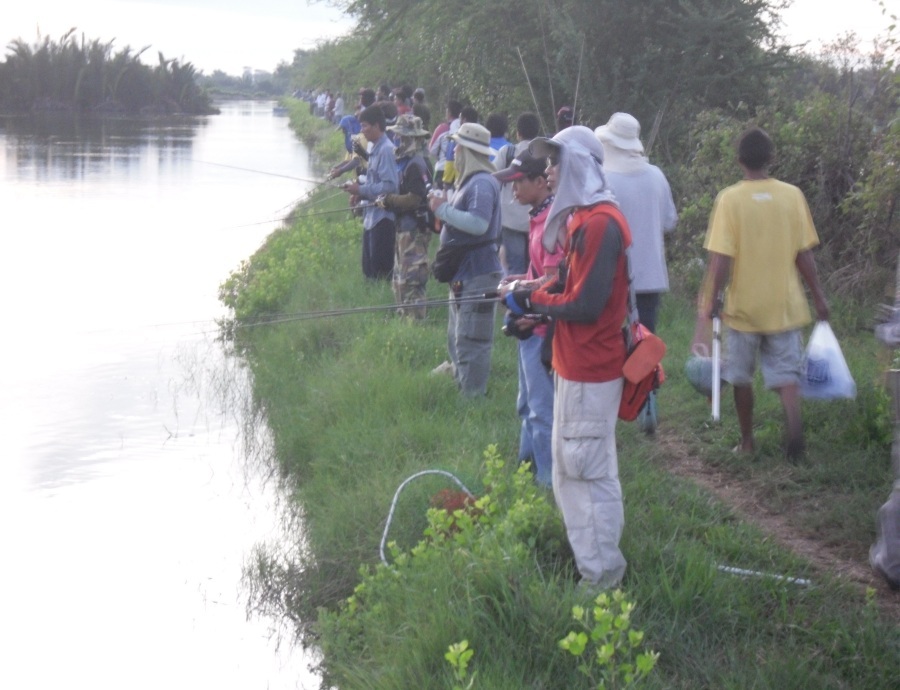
(127,506)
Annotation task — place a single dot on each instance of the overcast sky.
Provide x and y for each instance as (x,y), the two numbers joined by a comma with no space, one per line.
(234,34)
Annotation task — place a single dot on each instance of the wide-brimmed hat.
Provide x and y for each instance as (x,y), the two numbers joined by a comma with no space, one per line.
(409,126)
(475,137)
(523,165)
(622,131)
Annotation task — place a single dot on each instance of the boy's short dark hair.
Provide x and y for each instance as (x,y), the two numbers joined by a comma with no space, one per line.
(755,149)
(469,114)
(528,126)
(454,108)
(373,115)
(366,97)
(496,124)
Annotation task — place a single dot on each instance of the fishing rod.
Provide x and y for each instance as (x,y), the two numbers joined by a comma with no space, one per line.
(307,202)
(275,319)
(300,216)
(263,172)
(547,63)
(537,108)
(577,84)
(296,216)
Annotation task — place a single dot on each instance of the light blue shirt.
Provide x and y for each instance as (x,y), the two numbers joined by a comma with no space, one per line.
(381,178)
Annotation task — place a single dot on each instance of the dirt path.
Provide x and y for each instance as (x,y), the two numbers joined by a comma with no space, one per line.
(742,498)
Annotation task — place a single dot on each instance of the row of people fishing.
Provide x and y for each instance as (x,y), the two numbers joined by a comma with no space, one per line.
(588,196)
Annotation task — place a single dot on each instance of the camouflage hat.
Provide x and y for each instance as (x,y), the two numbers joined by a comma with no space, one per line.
(409,126)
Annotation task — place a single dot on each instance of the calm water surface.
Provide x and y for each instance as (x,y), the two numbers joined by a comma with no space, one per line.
(127,507)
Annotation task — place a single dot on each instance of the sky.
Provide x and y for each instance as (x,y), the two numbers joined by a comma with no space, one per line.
(227,35)
(232,35)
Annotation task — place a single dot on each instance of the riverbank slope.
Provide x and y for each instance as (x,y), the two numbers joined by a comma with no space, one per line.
(354,414)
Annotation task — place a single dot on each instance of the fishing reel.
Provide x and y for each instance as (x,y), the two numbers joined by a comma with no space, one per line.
(511,327)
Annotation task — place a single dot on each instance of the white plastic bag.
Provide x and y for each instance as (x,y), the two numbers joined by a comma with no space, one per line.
(826,374)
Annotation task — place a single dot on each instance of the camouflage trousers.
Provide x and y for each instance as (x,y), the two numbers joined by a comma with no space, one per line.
(411,271)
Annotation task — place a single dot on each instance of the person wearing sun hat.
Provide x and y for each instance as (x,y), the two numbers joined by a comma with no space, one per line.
(645,198)
(413,234)
(588,305)
(471,223)
(527,176)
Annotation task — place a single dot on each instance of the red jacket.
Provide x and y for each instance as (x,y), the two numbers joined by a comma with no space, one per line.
(589,301)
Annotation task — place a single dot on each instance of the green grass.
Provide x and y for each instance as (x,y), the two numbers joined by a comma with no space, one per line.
(354,412)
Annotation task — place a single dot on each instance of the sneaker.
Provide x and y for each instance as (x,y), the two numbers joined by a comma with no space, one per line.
(444,368)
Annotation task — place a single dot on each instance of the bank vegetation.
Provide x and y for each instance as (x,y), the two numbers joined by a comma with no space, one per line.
(88,76)
(426,589)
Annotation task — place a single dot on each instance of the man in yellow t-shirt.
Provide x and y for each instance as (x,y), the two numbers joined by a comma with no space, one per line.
(760,241)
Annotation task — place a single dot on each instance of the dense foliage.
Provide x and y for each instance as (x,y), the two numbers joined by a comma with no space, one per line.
(600,55)
(695,73)
(251,84)
(80,76)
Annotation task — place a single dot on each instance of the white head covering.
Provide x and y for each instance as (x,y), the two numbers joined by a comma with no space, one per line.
(468,162)
(581,181)
(473,151)
(623,130)
(624,152)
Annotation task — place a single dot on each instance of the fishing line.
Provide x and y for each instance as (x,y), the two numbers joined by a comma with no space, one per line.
(537,108)
(306,201)
(252,225)
(321,200)
(261,172)
(326,313)
(298,214)
(289,317)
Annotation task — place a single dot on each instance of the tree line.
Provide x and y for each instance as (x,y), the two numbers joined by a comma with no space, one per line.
(694,72)
(82,76)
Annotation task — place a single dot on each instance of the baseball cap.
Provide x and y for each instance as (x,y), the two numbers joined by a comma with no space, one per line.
(523,165)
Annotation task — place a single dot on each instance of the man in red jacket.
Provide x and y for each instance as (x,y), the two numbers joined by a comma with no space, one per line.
(588,304)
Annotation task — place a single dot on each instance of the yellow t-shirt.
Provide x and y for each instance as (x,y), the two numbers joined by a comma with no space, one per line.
(763,225)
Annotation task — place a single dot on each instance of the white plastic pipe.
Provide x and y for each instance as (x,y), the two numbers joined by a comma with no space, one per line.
(716,368)
(755,573)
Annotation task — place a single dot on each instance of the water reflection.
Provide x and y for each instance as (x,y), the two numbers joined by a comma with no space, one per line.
(127,509)
(54,146)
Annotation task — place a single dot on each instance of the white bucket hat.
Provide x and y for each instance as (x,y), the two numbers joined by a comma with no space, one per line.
(475,137)
(622,131)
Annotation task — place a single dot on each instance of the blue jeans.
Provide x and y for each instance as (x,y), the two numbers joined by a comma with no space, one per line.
(515,247)
(648,306)
(535,408)
(378,250)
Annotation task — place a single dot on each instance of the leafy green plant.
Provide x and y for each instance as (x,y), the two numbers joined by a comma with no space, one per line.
(263,286)
(483,561)
(606,644)
(458,656)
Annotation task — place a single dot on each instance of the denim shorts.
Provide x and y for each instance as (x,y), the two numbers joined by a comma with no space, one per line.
(780,355)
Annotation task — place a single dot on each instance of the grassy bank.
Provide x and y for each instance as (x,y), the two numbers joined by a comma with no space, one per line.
(354,413)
